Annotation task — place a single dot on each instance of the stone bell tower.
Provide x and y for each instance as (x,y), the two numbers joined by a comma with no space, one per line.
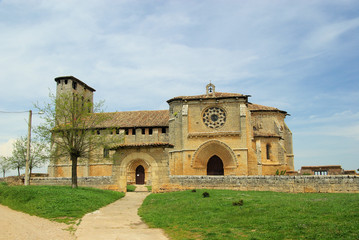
(80,90)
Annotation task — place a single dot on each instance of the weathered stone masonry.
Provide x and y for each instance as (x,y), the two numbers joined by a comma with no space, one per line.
(290,184)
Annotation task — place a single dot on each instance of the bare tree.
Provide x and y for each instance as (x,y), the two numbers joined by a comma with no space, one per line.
(69,125)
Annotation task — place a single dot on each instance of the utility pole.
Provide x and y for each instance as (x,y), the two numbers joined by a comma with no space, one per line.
(27,172)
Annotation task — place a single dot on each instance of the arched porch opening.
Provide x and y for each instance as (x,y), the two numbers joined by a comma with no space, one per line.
(138,172)
(215,155)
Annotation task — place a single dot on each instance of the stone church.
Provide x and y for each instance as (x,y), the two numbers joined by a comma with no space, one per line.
(214,133)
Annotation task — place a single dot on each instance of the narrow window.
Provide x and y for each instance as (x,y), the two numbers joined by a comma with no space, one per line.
(133,131)
(106,153)
(268,151)
(117,131)
(82,103)
(89,106)
(127,131)
(98,132)
(164,130)
(74,85)
(66,81)
(143,131)
(150,131)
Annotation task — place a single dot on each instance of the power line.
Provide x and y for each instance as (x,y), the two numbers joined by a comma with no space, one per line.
(14,112)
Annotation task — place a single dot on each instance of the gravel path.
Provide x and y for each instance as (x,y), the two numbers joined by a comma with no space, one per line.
(18,225)
(118,221)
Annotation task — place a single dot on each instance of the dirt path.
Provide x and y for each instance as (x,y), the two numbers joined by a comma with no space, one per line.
(18,225)
(118,221)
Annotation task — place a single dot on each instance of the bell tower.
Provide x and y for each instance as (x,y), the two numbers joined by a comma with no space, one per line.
(80,90)
(210,89)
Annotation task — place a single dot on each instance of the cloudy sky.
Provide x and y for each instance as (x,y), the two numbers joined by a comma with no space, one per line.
(299,56)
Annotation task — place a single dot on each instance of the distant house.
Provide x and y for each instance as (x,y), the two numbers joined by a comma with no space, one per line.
(326,170)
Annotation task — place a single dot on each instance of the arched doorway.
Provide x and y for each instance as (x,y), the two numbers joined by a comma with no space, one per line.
(215,166)
(140,175)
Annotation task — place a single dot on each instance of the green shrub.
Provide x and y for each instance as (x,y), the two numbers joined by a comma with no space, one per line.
(238,203)
(131,188)
(205,194)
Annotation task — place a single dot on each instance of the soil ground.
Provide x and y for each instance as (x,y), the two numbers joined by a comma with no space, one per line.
(18,225)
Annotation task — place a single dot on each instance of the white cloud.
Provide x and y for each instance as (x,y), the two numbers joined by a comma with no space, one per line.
(6,148)
(328,34)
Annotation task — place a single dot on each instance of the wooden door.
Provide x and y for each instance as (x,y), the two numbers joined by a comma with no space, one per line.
(215,166)
(140,175)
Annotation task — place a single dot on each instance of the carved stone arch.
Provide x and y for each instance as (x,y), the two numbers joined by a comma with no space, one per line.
(132,161)
(210,148)
(137,156)
(131,171)
(135,163)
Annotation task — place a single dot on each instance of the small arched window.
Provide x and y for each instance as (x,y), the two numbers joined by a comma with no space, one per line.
(268,149)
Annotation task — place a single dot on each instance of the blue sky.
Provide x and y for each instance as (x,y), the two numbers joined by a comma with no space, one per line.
(299,56)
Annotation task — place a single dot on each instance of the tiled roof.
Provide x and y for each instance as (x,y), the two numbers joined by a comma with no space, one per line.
(205,96)
(132,145)
(256,107)
(130,119)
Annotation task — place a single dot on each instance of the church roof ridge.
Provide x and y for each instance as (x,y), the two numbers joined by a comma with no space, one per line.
(132,111)
(209,96)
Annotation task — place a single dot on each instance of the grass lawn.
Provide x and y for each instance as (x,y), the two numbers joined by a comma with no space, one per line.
(58,203)
(264,215)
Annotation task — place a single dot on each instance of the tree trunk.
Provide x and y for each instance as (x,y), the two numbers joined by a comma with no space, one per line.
(18,171)
(74,171)
(3,173)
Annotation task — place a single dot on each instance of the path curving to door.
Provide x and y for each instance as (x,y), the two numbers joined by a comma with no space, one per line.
(119,220)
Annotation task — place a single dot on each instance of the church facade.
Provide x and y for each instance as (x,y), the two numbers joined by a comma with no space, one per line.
(214,133)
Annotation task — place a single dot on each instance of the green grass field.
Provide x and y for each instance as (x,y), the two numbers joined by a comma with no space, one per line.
(58,203)
(264,215)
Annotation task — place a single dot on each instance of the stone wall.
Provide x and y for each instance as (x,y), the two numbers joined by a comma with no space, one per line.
(96,182)
(294,184)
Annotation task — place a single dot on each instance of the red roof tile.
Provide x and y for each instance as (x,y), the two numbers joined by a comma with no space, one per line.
(130,119)
(155,144)
(256,107)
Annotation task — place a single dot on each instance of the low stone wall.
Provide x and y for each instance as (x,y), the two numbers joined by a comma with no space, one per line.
(294,184)
(13,180)
(96,182)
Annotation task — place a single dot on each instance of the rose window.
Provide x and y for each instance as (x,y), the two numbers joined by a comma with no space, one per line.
(214,117)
